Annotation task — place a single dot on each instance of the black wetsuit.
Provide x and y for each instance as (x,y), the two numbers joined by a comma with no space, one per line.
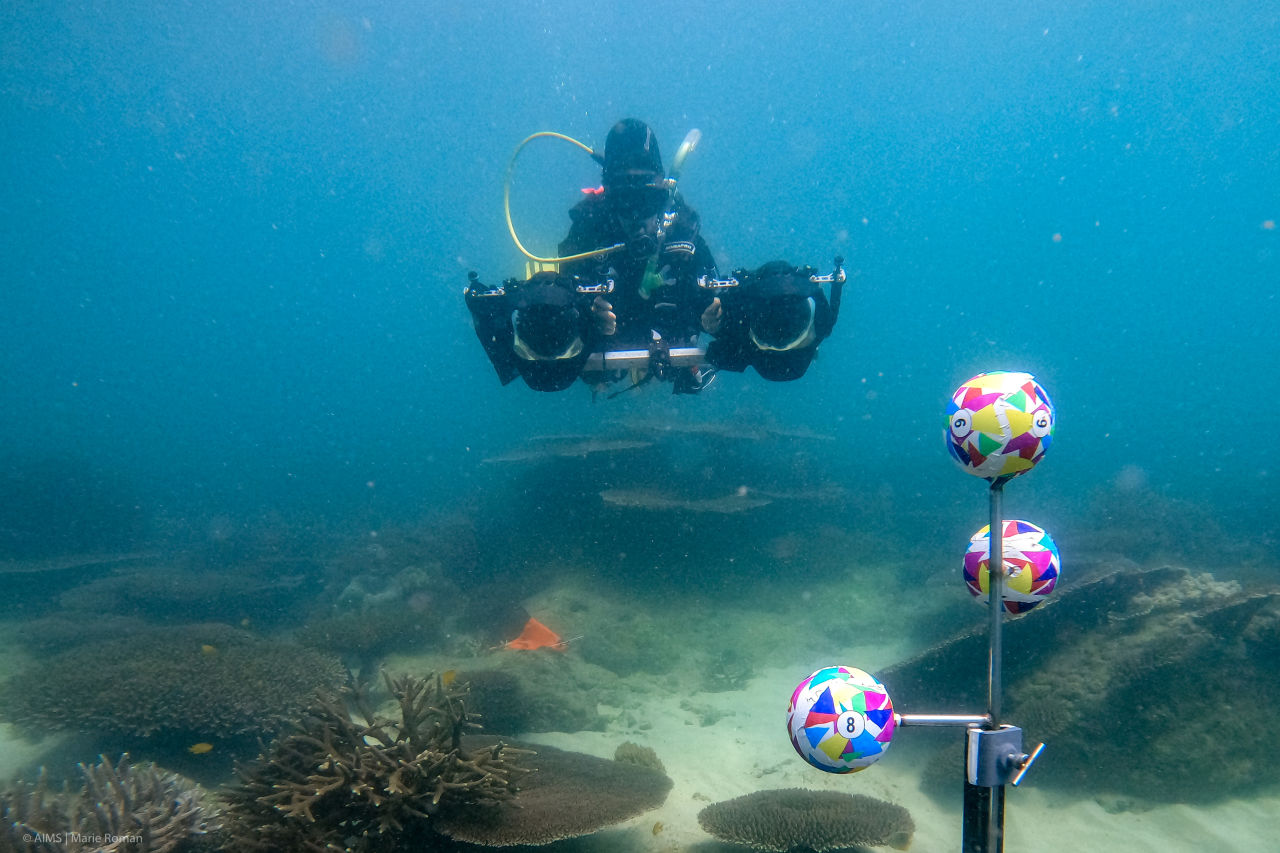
(673,311)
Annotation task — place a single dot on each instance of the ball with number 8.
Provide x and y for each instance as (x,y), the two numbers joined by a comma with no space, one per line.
(840,719)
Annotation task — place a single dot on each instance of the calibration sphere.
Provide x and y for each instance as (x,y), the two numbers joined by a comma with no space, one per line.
(999,424)
(840,719)
(1031,565)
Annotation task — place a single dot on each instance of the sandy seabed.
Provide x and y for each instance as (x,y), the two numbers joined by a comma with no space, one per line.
(747,750)
(720,745)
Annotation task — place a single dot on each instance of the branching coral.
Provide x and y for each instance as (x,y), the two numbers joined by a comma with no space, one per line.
(347,779)
(125,808)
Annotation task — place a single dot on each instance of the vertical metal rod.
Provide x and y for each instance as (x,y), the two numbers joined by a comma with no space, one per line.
(995,600)
(982,830)
(995,564)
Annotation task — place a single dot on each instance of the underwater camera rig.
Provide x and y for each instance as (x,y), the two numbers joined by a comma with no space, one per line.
(541,328)
(841,719)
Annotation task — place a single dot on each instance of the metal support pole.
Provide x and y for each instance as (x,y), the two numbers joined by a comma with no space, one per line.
(983,830)
(984,805)
(995,602)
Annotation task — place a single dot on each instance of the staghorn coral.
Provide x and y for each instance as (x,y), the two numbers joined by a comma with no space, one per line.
(796,819)
(125,808)
(210,680)
(350,780)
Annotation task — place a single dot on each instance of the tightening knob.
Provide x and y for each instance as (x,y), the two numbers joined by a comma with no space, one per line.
(1023,763)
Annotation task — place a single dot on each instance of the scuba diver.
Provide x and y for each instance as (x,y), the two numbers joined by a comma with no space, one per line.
(624,288)
(655,297)
(635,286)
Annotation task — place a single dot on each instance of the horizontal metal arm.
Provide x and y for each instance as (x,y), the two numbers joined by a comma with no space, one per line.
(627,359)
(942,719)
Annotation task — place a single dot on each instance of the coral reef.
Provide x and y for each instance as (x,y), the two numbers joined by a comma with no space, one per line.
(347,779)
(538,691)
(641,756)
(58,632)
(397,561)
(566,795)
(383,596)
(796,819)
(126,808)
(1136,680)
(617,636)
(208,680)
(372,631)
(168,592)
(498,698)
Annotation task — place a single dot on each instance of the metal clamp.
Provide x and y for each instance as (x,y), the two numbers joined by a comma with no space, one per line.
(605,286)
(837,275)
(994,757)
(707,282)
(478,289)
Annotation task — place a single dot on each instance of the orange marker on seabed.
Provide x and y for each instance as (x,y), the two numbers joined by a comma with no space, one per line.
(537,636)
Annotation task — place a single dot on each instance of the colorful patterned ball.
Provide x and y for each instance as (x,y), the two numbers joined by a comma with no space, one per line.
(840,719)
(1031,565)
(999,424)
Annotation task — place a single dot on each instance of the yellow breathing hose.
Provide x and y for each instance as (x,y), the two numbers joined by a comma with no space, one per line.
(506,203)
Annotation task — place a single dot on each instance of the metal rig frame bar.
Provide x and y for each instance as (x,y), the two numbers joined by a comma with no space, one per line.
(983,828)
(627,359)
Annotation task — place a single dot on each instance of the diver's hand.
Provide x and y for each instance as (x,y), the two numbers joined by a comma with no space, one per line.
(712,317)
(606,320)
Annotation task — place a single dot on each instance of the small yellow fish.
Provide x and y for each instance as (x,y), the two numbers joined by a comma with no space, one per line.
(657,827)
(448,677)
(208,650)
(200,748)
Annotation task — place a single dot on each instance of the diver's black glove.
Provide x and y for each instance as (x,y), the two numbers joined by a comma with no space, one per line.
(606,320)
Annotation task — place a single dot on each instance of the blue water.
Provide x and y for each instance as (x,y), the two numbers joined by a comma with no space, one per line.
(234,245)
(234,238)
